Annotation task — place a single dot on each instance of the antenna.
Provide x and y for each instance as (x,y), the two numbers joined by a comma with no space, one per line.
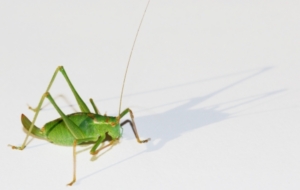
(136,35)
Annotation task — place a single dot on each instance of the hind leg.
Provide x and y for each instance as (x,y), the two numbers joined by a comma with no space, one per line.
(80,102)
(32,125)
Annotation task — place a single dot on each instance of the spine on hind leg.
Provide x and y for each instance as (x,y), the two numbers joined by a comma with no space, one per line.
(35,130)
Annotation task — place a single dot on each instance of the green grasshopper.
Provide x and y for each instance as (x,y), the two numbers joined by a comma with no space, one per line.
(82,127)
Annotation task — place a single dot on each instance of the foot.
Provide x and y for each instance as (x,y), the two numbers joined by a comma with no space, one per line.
(70,184)
(17,147)
(33,109)
(144,141)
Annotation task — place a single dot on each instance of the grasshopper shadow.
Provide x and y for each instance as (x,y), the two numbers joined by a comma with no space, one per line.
(167,126)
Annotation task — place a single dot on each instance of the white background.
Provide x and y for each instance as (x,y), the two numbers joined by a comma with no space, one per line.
(215,84)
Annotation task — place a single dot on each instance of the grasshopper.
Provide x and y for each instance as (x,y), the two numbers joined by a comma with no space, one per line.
(82,127)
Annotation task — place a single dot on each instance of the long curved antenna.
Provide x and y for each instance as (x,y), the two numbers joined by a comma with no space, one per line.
(130,57)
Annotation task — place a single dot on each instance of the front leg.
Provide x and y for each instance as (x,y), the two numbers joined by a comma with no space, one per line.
(133,125)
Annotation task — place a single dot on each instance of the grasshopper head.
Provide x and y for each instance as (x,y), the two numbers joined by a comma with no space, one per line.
(114,129)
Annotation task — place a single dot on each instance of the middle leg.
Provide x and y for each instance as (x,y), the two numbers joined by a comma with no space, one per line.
(74,163)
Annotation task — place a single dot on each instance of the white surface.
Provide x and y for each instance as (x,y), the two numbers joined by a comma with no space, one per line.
(215,85)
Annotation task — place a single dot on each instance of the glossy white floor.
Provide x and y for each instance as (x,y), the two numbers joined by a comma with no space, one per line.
(214,84)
